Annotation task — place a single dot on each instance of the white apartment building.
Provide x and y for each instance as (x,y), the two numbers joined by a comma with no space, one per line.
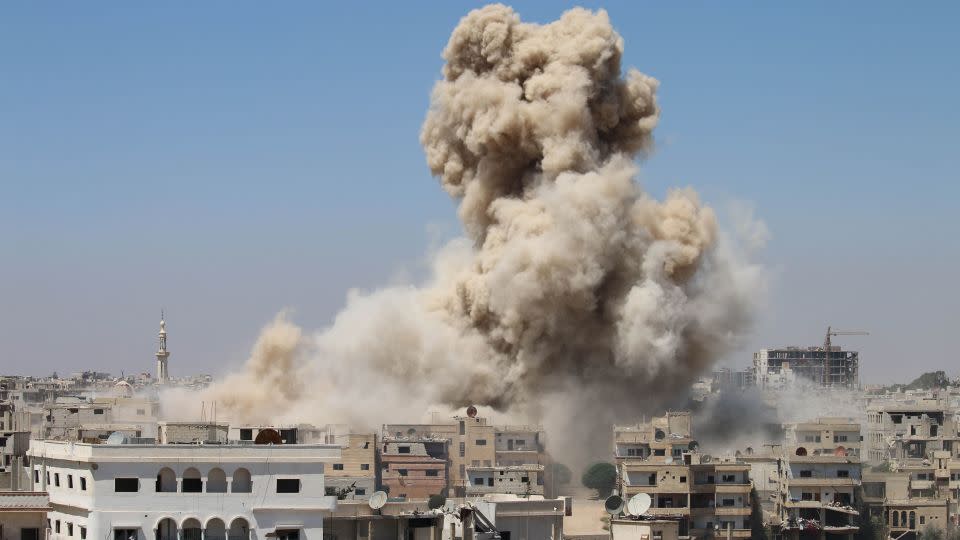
(183,491)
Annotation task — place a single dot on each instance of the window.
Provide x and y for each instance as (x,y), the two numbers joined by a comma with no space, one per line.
(288,485)
(126,485)
(478,481)
(481,442)
(36,476)
(56,479)
(677,452)
(806,496)
(192,483)
(48,478)
(659,452)
(728,502)
(463,428)
(124,534)
(683,479)
(525,479)
(463,449)
(98,411)
(729,478)
(57,526)
(83,533)
(487,463)
(433,472)
(83,483)
(3,441)
(70,481)
(463,470)
(475,463)
(405,449)
(364,466)
(803,474)
(141,412)
(338,466)
(923,519)
(843,473)
(360,491)
(242,482)
(69,529)
(840,438)
(402,472)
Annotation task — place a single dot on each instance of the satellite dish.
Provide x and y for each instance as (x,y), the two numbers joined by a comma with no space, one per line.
(472,411)
(706,458)
(639,504)
(693,446)
(613,505)
(659,435)
(116,438)
(669,460)
(377,500)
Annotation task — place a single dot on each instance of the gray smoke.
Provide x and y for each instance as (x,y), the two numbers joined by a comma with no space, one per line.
(575,294)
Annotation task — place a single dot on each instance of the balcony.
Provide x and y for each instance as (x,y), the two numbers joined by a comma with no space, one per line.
(831,482)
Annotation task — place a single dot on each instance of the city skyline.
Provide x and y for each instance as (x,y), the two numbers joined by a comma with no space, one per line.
(209,167)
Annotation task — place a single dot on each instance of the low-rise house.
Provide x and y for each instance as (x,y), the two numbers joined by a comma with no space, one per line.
(23,515)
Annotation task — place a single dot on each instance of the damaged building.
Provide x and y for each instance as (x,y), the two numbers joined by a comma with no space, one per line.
(831,367)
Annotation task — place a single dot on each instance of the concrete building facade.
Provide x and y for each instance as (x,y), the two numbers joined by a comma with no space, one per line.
(183,491)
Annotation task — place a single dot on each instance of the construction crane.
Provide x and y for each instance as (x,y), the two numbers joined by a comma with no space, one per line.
(827,345)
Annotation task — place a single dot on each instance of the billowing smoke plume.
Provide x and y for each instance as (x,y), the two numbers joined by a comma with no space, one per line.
(576,295)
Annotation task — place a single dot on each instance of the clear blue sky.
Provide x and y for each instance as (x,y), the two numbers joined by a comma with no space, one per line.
(226,160)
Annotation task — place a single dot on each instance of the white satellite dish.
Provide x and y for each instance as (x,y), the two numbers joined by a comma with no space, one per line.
(706,458)
(639,504)
(377,500)
(116,438)
(613,505)
(669,460)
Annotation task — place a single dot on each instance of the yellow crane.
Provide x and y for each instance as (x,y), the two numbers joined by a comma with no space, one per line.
(827,345)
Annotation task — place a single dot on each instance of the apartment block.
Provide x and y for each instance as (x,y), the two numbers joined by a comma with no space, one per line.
(821,480)
(476,444)
(355,475)
(183,491)
(910,429)
(414,468)
(833,367)
(699,492)
(23,515)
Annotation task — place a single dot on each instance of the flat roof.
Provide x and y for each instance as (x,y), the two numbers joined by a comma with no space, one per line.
(124,453)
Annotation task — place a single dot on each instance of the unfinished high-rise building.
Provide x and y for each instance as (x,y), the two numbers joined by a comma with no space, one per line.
(831,367)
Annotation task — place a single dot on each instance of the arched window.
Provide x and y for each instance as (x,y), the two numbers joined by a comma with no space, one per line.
(216,530)
(191,530)
(801,451)
(896,519)
(192,483)
(241,481)
(239,530)
(913,519)
(166,529)
(216,481)
(166,481)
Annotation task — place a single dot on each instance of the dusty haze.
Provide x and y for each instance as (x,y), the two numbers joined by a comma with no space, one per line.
(575,300)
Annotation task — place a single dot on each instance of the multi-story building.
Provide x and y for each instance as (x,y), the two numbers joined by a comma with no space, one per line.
(474,443)
(699,492)
(821,480)
(833,367)
(910,429)
(354,476)
(414,467)
(183,491)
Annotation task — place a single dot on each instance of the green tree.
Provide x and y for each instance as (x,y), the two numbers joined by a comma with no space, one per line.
(561,474)
(601,477)
(436,501)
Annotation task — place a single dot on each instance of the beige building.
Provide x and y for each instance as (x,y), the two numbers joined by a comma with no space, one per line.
(698,492)
(647,529)
(23,515)
(476,444)
(355,475)
(839,436)
(905,518)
